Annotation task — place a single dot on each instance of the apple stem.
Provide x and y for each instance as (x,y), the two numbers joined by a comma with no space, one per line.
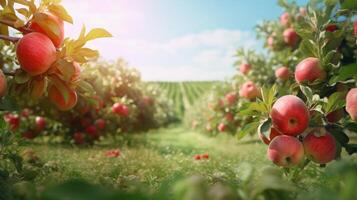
(9,38)
(11,24)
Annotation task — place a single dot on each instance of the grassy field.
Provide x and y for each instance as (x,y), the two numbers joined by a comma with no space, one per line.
(152,157)
(183,94)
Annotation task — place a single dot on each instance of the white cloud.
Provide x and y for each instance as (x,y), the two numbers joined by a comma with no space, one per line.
(205,55)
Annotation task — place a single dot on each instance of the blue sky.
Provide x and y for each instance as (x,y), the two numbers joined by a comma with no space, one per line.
(174,39)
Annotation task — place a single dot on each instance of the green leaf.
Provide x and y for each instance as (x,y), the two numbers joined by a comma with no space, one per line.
(307,92)
(335,101)
(339,135)
(97,33)
(345,72)
(253,108)
(265,128)
(349,4)
(249,128)
(21,77)
(352,127)
(84,86)
(268,96)
(351,148)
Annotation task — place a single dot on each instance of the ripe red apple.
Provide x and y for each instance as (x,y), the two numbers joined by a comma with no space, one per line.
(197,157)
(222,127)
(26,112)
(28,135)
(229,117)
(282,73)
(231,98)
(40,123)
(51,26)
(285,151)
(100,123)
(331,27)
(335,116)
(13,120)
(351,103)
(120,109)
(112,153)
(35,53)
(92,131)
(285,19)
(290,36)
(78,138)
(205,156)
(290,116)
(355,27)
(245,68)
(57,98)
(273,134)
(309,70)
(3,84)
(320,147)
(249,90)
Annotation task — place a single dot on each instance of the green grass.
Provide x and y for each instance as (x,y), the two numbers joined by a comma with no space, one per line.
(151,158)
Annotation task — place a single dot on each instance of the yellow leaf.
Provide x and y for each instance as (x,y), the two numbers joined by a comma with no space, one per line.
(97,33)
(38,88)
(61,12)
(86,52)
(23,11)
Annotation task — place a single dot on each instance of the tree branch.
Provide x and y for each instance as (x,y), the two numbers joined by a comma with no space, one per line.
(9,38)
(11,24)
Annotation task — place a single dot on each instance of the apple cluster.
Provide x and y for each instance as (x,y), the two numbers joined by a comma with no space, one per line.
(29,125)
(290,139)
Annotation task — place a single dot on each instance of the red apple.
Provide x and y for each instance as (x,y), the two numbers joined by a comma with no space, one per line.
(309,70)
(120,109)
(205,156)
(40,123)
(282,73)
(320,147)
(58,99)
(249,90)
(331,27)
(26,112)
(3,84)
(100,123)
(290,116)
(290,36)
(285,151)
(51,26)
(113,153)
(245,68)
(36,53)
(13,120)
(28,135)
(355,27)
(78,138)
(92,131)
(231,98)
(335,116)
(229,117)
(285,19)
(273,134)
(197,157)
(351,103)
(222,127)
